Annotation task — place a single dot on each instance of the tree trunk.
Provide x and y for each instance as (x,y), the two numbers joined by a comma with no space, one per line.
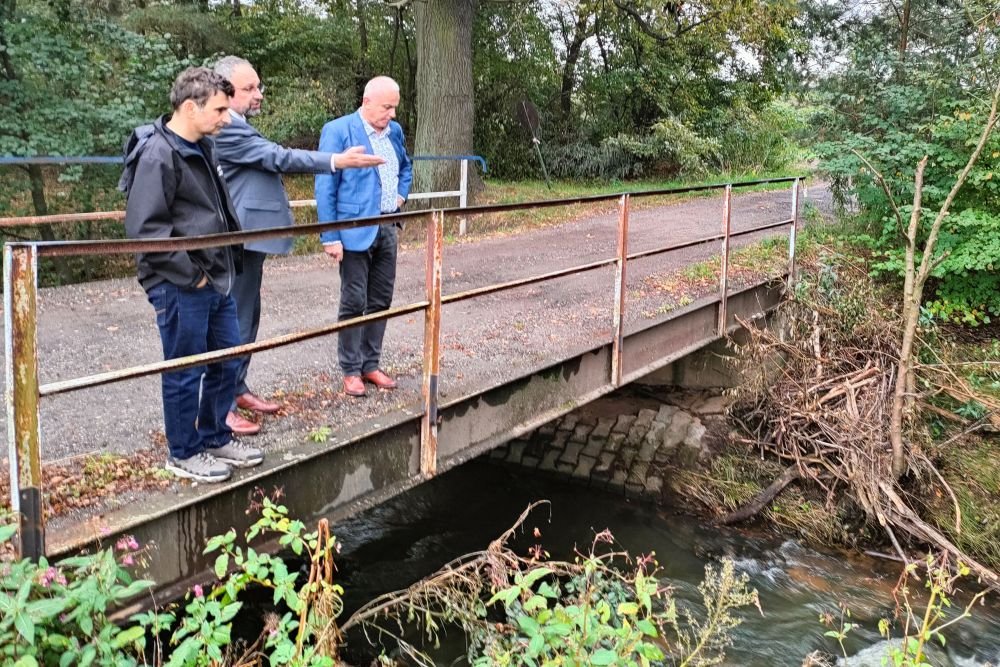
(397,26)
(445,106)
(362,72)
(37,181)
(408,114)
(581,31)
(916,278)
(904,30)
(911,311)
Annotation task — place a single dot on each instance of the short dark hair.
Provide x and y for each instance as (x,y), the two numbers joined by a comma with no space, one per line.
(198,84)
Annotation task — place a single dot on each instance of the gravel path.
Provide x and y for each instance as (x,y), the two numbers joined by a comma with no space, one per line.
(101,326)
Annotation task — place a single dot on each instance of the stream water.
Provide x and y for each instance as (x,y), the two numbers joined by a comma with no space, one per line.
(401,541)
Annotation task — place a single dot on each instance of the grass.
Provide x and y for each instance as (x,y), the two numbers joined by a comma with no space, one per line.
(748,264)
(971,471)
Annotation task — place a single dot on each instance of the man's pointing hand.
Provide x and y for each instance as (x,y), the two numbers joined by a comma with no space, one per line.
(355,156)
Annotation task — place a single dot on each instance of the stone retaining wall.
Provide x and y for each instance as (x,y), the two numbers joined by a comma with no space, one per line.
(632,453)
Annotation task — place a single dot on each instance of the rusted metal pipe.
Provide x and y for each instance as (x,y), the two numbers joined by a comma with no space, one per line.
(475,210)
(118,246)
(791,235)
(20,283)
(520,282)
(99,379)
(432,345)
(618,320)
(727,206)
(706,239)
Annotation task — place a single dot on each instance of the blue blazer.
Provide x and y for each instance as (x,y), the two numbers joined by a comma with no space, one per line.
(355,193)
(253,167)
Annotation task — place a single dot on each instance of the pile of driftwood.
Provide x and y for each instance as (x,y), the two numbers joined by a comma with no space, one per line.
(818,395)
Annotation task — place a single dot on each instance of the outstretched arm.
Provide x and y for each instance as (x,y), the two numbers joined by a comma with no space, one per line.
(249,149)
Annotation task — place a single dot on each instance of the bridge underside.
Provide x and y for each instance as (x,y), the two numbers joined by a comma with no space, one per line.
(342,479)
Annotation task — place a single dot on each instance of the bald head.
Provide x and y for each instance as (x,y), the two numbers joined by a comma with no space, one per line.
(378,105)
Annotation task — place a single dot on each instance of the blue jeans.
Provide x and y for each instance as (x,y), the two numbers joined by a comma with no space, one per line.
(193,321)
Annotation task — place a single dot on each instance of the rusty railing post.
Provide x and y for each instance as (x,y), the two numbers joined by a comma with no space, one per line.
(791,235)
(20,281)
(619,316)
(727,212)
(432,344)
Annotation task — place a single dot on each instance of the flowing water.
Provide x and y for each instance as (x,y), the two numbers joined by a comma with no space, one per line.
(399,542)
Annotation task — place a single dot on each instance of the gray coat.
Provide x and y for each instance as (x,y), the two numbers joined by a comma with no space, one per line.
(253,166)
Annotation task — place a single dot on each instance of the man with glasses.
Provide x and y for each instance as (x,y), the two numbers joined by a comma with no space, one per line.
(253,166)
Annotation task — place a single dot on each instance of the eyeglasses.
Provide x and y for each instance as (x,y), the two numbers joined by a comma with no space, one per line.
(250,89)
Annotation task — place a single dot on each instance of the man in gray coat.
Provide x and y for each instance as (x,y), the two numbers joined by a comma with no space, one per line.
(252,166)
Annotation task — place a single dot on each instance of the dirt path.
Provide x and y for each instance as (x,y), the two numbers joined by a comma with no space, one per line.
(107,325)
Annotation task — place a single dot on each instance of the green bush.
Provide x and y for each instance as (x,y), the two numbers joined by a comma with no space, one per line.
(606,612)
(964,288)
(754,142)
(57,614)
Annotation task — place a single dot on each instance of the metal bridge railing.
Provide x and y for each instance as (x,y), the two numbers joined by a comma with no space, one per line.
(462,192)
(24,393)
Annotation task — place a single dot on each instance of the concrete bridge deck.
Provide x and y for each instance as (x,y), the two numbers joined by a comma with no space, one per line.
(510,362)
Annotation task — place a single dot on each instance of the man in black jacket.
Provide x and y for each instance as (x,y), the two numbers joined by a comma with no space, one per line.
(175,188)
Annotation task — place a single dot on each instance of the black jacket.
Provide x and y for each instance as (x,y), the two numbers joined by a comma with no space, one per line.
(174,190)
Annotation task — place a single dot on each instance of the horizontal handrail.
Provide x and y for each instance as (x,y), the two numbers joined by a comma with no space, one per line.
(56,218)
(520,282)
(119,246)
(471,158)
(706,239)
(89,381)
(133,372)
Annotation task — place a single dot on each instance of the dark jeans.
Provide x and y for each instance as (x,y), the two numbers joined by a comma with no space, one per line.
(246,294)
(367,280)
(193,321)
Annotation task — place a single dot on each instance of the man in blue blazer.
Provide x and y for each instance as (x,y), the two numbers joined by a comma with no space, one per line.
(366,255)
(252,166)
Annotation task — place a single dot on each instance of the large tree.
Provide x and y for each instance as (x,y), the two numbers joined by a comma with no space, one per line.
(445,106)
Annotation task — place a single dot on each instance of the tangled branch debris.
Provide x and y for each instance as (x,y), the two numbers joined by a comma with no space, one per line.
(818,396)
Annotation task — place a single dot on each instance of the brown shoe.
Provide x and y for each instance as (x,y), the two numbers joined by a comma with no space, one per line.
(240,425)
(250,401)
(353,386)
(380,379)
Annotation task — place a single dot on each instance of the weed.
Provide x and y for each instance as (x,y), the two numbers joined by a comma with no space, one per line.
(320,434)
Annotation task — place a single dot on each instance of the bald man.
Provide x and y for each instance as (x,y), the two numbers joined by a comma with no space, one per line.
(366,255)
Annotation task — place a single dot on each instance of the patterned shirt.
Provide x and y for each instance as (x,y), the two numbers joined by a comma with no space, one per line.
(388,173)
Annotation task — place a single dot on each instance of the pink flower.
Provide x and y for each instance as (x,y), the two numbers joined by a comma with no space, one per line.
(128,560)
(198,592)
(51,575)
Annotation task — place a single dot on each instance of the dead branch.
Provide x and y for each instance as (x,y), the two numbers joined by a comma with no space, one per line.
(834,430)
(764,498)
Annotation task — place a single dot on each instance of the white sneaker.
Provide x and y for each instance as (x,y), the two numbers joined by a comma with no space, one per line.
(237,454)
(202,467)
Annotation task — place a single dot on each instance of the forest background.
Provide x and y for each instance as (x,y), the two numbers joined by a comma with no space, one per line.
(626,90)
